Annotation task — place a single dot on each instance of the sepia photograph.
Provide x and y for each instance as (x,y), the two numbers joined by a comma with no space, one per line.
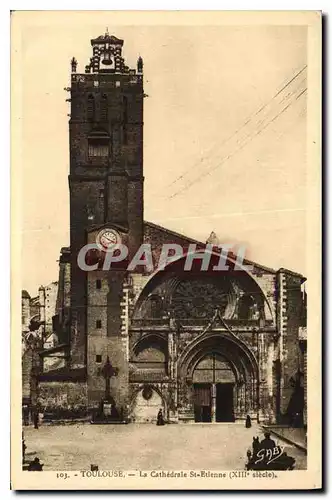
(165,243)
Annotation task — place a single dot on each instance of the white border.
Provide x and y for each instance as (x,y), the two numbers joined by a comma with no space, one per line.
(5,183)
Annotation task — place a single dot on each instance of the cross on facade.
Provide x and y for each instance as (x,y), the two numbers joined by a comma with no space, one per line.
(108,372)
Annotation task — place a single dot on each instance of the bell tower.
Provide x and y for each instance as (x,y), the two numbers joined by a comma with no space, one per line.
(106,163)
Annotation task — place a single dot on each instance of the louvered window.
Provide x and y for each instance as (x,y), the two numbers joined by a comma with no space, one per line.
(98,149)
(91,108)
(104,109)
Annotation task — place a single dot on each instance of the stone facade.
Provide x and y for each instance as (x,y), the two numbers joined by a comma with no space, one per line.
(38,335)
(63,396)
(47,302)
(38,312)
(203,345)
(251,341)
(26,313)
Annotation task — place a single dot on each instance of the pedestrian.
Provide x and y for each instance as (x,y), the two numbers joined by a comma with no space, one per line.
(36,419)
(160,418)
(248,422)
(35,465)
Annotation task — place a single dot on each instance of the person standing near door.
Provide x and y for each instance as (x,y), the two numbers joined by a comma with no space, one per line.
(36,419)
(160,418)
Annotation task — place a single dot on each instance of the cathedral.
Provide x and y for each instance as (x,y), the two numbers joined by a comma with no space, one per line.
(201,346)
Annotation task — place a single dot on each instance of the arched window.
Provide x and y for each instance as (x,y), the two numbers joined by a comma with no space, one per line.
(154,307)
(104,108)
(91,108)
(98,144)
(151,353)
(246,307)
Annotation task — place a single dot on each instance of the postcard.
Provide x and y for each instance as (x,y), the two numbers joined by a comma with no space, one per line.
(166,250)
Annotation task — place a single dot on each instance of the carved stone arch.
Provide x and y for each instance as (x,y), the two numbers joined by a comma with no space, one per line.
(137,395)
(141,386)
(245,306)
(245,362)
(238,371)
(154,306)
(150,338)
(170,273)
(216,340)
(239,355)
(149,357)
(151,289)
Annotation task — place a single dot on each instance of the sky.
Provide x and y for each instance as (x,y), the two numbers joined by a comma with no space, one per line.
(222,151)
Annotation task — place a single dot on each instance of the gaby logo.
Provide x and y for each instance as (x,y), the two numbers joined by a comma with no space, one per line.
(268,455)
(210,257)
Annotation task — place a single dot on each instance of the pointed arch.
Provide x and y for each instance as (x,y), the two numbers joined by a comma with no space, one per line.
(246,307)
(173,272)
(151,340)
(235,350)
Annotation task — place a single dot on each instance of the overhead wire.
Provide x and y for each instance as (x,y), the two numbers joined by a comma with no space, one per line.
(260,131)
(246,122)
(246,140)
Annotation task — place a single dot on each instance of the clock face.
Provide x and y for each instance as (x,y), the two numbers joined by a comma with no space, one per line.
(107,238)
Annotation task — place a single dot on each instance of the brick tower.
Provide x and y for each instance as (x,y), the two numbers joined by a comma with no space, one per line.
(106,184)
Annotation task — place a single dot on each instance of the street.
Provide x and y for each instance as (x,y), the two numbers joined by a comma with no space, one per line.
(146,446)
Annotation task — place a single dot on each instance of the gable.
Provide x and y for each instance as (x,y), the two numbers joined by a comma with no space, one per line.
(157,235)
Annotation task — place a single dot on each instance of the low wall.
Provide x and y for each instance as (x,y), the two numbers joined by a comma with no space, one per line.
(59,400)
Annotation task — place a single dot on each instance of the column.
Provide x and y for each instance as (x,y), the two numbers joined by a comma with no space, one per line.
(242,400)
(213,402)
(236,401)
(170,356)
(247,397)
(263,390)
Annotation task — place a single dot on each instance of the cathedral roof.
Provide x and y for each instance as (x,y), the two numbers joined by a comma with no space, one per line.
(156,235)
(169,234)
(25,294)
(172,233)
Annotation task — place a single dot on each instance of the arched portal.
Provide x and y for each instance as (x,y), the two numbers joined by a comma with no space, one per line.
(214,381)
(218,380)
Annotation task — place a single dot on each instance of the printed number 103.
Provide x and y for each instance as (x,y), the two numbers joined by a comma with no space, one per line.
(62,475)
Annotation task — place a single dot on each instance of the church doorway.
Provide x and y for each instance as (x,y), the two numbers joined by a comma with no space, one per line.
(224,403)
(214,383)
(203,402)
(213,402)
